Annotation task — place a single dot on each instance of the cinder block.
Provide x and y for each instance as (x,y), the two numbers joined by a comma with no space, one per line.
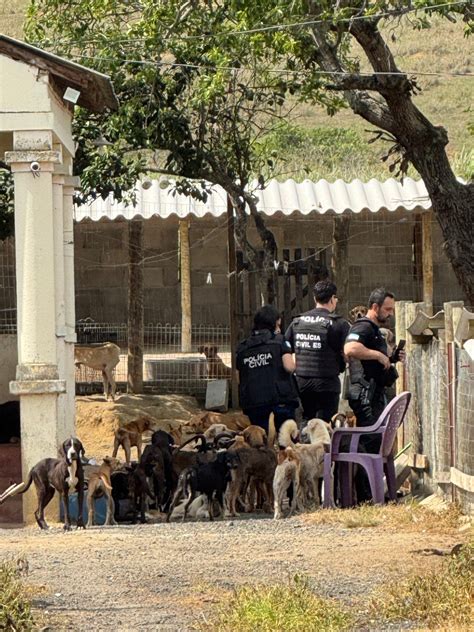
(217,396)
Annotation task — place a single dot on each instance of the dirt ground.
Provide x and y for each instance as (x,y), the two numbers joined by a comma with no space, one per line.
(168,576)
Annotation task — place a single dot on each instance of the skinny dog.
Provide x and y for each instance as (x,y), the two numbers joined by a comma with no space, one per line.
(99,485)
(287,472)
(63,475)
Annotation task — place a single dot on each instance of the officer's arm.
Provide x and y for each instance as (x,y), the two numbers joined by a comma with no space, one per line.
(358,351)
(288,362)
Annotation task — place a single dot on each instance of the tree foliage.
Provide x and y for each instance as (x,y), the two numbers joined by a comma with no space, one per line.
(201,84)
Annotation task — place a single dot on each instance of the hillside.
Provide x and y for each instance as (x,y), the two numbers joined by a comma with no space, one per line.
(445,101)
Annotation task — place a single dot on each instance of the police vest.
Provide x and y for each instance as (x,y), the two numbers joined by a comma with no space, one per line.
(314,355)
(372,368)
(263,378)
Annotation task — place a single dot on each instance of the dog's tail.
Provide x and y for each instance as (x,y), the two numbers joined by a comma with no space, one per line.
(15,489)
(271,431)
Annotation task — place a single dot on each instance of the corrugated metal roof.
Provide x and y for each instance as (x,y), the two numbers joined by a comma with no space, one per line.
(278,197)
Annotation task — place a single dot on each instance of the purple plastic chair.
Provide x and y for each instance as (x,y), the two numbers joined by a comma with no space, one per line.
(374,464)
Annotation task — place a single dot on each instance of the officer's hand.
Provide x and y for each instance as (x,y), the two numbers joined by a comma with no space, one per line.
(384,360)
(402,356)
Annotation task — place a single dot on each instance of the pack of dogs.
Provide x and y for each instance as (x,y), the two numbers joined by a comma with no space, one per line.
(216,473)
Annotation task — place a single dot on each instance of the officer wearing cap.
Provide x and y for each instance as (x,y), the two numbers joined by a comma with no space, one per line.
(265,365)
(317,339)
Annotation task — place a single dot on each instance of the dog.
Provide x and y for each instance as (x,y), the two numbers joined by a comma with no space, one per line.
(63,475)
(288,434)
(359,311)
(100,484)
(339,420)
(130,435)
(287,473)
(210,479)
(255,466)
(318,431)
(311,471)
(216,369)
(389,339)
(255,436)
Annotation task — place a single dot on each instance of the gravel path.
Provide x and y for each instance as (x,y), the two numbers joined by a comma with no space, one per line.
(167,576)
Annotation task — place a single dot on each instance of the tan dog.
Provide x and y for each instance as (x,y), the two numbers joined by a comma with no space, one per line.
(216,369)
(200,422)
(389,339)
(130,436)
(255,436)
(100,484)
(287,472)
(359,311)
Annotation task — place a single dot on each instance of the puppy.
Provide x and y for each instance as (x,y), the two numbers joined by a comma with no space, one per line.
(287,473)
(389,339)
(359,311)
(129,436)
(100,484)
(339,420)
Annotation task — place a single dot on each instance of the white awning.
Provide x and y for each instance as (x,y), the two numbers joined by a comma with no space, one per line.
(277,197)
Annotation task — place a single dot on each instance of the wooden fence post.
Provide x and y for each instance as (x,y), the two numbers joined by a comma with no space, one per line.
(232,299)
(135,306)
(185,277)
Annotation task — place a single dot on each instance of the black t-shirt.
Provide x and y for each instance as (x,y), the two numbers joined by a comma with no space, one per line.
(336,338)
(368,333)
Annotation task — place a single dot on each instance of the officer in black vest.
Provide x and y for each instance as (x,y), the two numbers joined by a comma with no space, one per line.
(371,372)
(317,339)
(265,365)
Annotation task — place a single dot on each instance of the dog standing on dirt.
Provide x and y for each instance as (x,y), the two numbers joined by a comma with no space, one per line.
(287,473)
(100,484)
(63,475)
(129,436)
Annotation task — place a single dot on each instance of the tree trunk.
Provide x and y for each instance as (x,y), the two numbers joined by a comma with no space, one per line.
(135,306)
(340,260)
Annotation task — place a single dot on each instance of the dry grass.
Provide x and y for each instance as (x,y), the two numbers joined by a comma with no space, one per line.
(292,607)
(409,517)
(439,599)
(15,605)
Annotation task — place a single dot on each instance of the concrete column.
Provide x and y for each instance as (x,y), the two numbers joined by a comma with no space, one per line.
(70,183)
(37,378)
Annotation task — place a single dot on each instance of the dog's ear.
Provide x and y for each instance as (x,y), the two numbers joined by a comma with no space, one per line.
(81,451)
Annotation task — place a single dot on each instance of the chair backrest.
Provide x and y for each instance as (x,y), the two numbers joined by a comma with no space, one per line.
(391,418)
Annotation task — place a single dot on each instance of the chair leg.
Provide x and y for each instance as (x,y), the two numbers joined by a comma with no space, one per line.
(391,479)
(328,496)
(346,484)
(375,474)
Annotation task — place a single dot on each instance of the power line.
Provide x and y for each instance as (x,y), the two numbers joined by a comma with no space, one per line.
(341,73)
(282,26)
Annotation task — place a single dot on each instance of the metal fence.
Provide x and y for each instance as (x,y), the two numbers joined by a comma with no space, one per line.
(166,369)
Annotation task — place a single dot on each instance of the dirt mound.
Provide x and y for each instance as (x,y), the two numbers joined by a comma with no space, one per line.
(97,419)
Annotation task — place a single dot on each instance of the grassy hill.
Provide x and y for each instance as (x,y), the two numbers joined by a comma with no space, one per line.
(336,146)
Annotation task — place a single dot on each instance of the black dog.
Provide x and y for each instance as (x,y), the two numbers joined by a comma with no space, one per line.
(63,475)
(206,478)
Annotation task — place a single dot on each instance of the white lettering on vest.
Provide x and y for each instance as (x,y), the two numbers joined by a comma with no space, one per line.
(261,359)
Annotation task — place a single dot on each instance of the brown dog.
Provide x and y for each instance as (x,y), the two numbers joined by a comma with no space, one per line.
(100,484)
(255,436)
(130,435)
(216,369)
(359,311)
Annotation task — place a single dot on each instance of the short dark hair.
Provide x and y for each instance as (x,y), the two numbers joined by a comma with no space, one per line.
(378,296)
(266,318)
(324,290)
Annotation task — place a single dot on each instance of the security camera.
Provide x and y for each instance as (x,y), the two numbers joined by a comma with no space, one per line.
(35,167)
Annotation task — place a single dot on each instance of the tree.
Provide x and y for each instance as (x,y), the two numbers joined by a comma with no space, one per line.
(192,107)
(383,96)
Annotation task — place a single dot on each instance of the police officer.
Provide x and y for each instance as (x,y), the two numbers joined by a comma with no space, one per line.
(371,371)
(317,339)
(265,365)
